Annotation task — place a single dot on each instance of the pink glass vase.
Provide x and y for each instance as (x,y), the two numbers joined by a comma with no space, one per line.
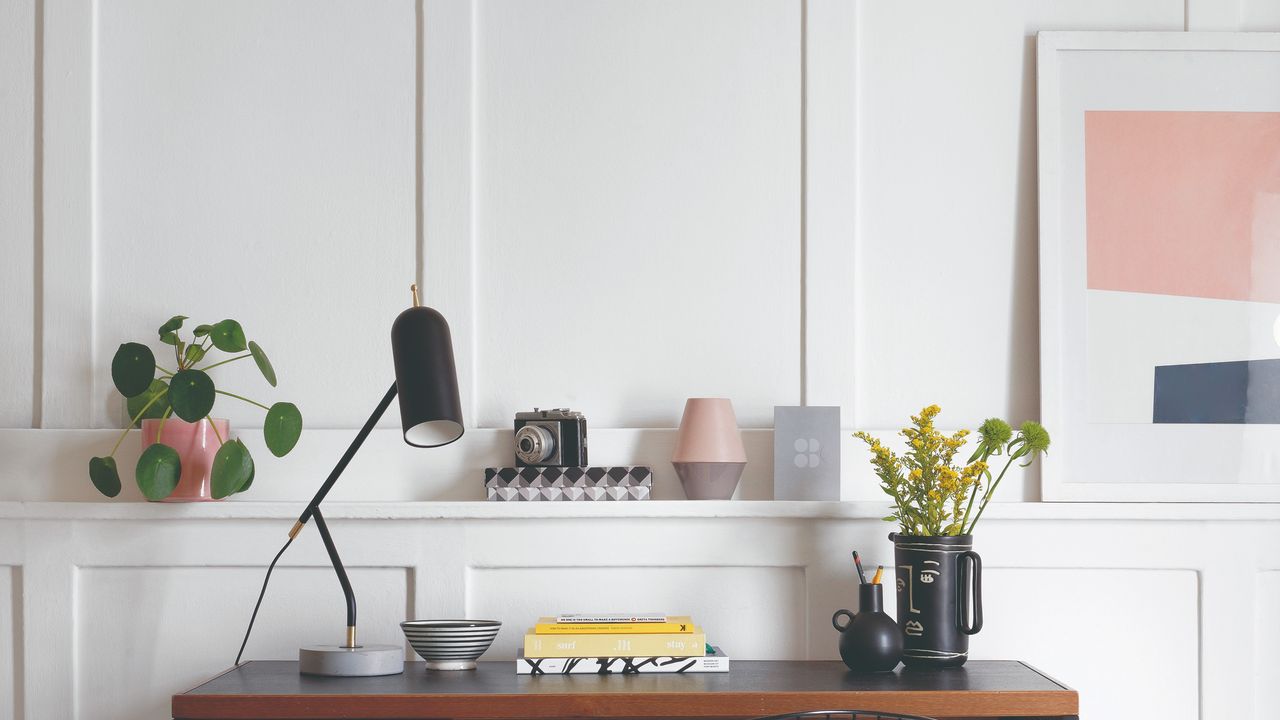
(196,444)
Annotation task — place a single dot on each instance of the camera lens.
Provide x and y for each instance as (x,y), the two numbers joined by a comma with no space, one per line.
(534,444)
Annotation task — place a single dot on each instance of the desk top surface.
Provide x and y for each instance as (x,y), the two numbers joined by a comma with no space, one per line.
(493,690)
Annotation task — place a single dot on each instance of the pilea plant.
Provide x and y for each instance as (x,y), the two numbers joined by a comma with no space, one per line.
(189,393)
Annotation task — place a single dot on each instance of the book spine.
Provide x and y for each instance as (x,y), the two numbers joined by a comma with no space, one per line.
(621,666)
(645,645)
(611,629)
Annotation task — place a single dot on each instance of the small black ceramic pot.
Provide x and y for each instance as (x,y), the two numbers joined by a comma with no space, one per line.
(869,641)
(934,577)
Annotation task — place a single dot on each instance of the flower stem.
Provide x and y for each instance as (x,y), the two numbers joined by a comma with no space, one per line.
(238,397)
(974,494)
(207,368)
(990,491)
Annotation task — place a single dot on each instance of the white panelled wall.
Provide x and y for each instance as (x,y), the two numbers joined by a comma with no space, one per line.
(618,204)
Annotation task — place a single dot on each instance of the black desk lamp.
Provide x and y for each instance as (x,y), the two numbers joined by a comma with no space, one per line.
(431,416)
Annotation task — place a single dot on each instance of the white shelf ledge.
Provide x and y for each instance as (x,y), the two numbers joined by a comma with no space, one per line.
(640,509)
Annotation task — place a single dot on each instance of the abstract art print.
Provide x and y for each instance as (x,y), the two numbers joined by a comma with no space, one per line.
(1160,265)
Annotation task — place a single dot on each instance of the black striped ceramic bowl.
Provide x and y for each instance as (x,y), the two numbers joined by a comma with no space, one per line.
(450,644)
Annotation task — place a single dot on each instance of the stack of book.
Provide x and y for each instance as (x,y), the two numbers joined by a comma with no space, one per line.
(618,643)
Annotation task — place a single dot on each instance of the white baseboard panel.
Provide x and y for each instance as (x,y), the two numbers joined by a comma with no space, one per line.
(1162,593)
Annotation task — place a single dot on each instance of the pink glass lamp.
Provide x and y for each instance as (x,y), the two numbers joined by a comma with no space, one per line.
(709,456)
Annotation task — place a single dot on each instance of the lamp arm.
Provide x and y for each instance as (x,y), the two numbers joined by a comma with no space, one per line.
(347,592)
(313,511)
(346,458)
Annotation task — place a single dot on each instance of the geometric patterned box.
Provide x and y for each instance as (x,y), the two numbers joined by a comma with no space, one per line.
(559,484)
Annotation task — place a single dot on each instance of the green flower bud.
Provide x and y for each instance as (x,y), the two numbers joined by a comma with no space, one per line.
(1035,436)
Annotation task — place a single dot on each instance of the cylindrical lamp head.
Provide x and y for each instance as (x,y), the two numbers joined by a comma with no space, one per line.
(426,378)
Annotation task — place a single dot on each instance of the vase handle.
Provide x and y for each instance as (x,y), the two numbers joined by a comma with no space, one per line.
(971,569)
(837,616)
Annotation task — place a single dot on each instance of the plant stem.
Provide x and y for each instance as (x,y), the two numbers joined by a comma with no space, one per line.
(990,491)
(251,402)
(207,368)
(163,419)
(216,434)
(974,494)
(132,421)
(163,370)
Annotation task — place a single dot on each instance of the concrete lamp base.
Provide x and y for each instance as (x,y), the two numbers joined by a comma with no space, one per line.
(359,661)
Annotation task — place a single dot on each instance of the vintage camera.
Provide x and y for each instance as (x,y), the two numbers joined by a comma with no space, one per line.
(551,438)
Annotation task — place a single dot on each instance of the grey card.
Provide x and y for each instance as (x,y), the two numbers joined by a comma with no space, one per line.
(806,453)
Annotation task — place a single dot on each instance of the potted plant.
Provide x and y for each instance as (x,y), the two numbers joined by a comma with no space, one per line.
(188,455)
(937,503)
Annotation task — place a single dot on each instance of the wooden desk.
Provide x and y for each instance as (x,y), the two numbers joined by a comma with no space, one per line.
(750,689)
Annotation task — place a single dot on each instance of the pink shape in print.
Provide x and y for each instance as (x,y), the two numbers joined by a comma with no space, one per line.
(1184,203)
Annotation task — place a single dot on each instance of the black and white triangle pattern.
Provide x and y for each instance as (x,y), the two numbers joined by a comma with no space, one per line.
(631,482)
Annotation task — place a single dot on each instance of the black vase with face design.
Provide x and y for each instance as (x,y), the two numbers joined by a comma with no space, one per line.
(936,578)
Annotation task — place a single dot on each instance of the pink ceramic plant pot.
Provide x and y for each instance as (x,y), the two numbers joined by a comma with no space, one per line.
(196,444)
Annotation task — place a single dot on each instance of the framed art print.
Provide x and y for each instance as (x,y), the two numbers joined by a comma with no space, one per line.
(1160,265)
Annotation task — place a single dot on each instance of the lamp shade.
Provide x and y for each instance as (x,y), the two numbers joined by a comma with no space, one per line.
(426,378)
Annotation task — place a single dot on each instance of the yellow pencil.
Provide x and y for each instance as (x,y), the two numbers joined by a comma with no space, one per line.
(879,572)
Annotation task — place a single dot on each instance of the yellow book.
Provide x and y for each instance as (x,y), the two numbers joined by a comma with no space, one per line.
(674,624)
(692,644)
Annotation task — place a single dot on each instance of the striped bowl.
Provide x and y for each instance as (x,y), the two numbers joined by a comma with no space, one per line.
(450,644)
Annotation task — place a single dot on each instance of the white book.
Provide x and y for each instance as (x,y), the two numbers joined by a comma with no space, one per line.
(612,618)
(714,662)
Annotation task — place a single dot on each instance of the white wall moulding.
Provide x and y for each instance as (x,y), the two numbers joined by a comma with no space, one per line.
(663,509)
(1255,15)
(446,172)
(93,585)
(638,202)
(51,465)
(18,229)
(183,619)
(67,222)
(1266,662)
(1107,604)
(946,225)
(759,622)
(267,176)
(11,643)
(830,310)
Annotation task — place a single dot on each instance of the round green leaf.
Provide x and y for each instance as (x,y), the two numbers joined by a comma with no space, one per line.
(105,477)
(156,411)
(282,428)
(158,471)
(202,330)
(264,364)
(232,468)
(172,323)
(248,483)
(167,332)
(193,354)
(133,368)
(228,336)
(191,394)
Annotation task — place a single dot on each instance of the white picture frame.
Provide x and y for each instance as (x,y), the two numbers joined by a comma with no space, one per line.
(1119,461)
